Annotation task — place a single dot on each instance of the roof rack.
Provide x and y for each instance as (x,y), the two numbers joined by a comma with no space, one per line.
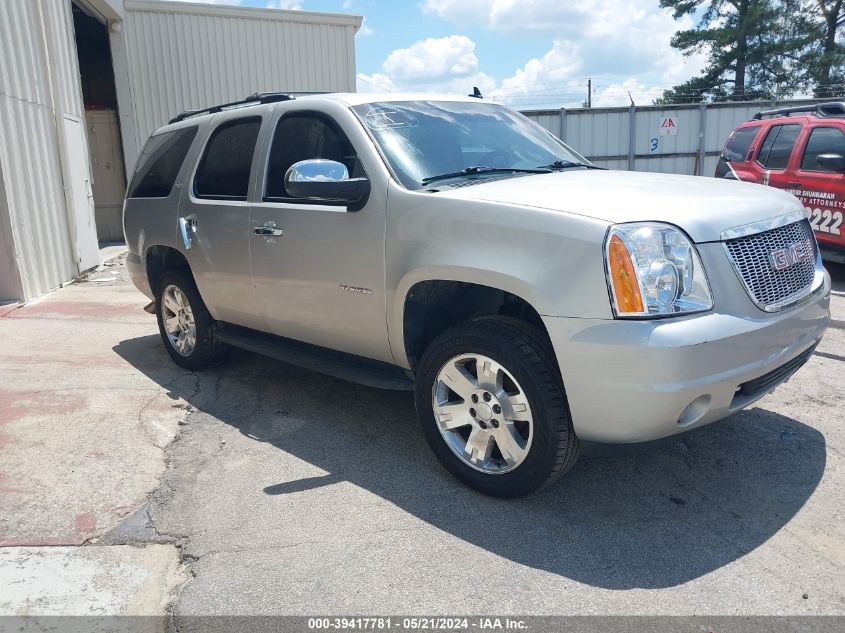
(821,110)
(254,99)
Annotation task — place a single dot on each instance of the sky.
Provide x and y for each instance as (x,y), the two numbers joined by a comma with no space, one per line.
(526,53)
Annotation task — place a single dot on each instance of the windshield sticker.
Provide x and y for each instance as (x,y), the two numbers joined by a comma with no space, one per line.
(381,118)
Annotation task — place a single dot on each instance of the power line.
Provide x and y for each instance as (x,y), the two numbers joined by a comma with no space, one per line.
(374,84)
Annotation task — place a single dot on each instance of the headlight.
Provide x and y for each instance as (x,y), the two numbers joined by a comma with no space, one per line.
(653,270)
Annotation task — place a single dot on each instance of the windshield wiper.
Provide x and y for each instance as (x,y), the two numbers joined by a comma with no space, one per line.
(567,164)
(472,171)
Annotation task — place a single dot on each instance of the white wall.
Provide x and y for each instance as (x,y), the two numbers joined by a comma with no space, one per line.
(39,86)
(181,56)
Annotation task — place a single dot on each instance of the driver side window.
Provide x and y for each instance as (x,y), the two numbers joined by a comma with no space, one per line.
(303,136)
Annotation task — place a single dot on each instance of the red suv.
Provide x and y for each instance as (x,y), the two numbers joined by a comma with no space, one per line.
(802,150)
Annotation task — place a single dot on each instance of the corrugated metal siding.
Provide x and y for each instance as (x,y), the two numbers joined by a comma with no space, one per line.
(184,60)
(602,134)
(58,25)
(29,149)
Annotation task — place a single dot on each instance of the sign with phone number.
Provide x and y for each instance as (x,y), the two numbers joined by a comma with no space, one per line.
(825,220)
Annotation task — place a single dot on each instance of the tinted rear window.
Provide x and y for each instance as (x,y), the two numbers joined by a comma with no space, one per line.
(159,163)
(776,148)
(224,169)
(737,148)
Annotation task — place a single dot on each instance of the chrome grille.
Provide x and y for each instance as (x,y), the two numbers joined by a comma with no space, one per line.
(752,259)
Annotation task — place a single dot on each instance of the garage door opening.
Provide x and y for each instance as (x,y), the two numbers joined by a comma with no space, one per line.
(101,121)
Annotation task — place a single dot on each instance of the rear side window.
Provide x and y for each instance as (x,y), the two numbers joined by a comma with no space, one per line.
(224,168)
(777,147)
(159,163)
(823,140)
(737,148)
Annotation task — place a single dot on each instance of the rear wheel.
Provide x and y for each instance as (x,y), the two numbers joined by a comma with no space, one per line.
(492,406)
(185,324)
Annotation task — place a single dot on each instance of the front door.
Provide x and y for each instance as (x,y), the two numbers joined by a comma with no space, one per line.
(823,192)
(215,215)
(321,279)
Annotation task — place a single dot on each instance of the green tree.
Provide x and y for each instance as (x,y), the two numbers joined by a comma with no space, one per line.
(823,59)
(750,47)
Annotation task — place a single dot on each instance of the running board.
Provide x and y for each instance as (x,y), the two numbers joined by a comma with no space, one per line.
(357,369)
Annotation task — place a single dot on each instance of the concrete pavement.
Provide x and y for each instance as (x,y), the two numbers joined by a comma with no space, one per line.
(286,492)
(82,445)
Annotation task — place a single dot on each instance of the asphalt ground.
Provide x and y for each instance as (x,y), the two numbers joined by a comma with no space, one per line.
(259,488)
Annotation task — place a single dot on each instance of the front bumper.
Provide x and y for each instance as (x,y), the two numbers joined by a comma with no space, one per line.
(635,381)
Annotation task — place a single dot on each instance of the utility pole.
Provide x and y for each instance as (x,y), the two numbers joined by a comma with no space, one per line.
(589,93)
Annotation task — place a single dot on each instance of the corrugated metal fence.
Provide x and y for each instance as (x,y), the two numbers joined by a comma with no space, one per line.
(183,56)
(643,139)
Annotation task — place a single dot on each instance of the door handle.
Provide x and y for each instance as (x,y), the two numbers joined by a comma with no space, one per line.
(268,230)
(795,185)
(187,227)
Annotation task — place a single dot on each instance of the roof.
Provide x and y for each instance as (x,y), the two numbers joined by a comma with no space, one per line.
(312,17)
(359,98)
(349,99)
(830,109)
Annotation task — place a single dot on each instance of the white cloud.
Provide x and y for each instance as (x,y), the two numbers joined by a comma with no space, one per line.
(286,5)
(366,30)
(554,69)
(433,59)
(377,82)
(617,94)
(609,37)
(446,65)
(617,44)
(218,2)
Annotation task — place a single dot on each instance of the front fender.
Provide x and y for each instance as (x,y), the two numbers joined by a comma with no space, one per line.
(551,260)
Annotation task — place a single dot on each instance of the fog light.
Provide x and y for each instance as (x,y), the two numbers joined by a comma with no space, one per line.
(695,410)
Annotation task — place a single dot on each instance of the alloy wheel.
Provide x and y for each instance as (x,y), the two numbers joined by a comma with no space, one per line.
(178,320)
(482,413)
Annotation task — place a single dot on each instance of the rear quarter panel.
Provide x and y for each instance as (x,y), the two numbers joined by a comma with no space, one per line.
(149,222)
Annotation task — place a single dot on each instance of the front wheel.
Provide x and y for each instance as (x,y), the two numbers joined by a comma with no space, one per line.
(492,406)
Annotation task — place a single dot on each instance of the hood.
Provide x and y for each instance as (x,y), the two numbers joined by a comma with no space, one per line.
(703,207)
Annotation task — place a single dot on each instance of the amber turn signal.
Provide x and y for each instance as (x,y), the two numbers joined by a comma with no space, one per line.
(626,288)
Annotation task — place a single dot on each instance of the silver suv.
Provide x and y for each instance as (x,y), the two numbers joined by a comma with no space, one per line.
(450,246)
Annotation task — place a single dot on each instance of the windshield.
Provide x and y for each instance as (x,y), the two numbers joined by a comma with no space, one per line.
(422,140)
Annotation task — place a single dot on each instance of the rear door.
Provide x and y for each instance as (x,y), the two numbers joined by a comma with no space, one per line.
(823,192)
(215,209)
(735,162)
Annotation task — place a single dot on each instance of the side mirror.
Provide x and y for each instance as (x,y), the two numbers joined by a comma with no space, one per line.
(320,179)
(831,162)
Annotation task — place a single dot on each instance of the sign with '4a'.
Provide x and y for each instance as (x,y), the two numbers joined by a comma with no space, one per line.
(668,126)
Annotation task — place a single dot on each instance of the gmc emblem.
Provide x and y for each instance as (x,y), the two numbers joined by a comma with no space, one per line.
(792,254)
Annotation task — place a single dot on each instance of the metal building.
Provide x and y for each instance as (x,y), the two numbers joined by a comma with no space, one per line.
(83,83)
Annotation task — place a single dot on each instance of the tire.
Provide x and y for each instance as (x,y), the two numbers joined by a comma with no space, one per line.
(538,447)
(206,349)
